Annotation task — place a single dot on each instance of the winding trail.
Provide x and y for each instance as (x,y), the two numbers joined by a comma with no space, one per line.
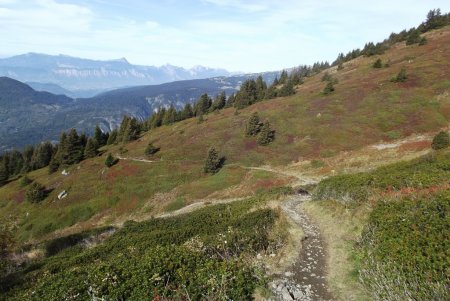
(306,280)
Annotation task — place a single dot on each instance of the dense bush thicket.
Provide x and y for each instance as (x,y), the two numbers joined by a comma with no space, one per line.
(405,249)
(423,172)
(175,258)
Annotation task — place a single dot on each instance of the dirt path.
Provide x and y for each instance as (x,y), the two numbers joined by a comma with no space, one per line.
(134,159)
(306,280)
(198,205)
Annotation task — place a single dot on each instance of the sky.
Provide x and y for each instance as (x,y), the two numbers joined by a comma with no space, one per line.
(238,35)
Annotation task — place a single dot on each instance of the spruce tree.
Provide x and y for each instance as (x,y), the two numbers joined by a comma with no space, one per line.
(377,64)
(266,134)
(99,137)
(75,148)
(212,163)
(401,76)
(329,88)
(187,112)
(35,193)
(110,160)
(53,165)
(42,155)
(90,151)
(253,126)
(441,141)
(112,138)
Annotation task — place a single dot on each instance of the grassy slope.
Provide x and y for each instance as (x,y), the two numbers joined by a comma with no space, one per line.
(365,108)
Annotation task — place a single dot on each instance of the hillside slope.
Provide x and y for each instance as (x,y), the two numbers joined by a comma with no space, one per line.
(365,108)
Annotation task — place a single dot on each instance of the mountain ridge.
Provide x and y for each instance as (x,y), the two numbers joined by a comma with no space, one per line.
(73,73)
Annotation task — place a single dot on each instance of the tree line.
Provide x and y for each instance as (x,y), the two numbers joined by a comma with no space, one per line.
(435,19)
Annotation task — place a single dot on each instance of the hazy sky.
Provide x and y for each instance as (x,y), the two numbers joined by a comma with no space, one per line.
(252,35)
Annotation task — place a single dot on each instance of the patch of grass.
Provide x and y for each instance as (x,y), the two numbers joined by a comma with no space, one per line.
(176,204)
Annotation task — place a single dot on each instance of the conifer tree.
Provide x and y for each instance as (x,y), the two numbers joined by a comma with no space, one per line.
(110,160)
(75,148)
(266,134)
(27,155)
(187,112)
(377,64)
(203,104)
(42,155)
(261,88)
(90,151)
(100,137)
(253,126)
(401,76)
(329,88)
(441,141)
(112,138)
(35,193)
(283,77)
(212,163)
(219,102)
(53,165)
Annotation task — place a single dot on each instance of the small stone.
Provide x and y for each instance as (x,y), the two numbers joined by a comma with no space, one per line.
(286,295)
(298,295)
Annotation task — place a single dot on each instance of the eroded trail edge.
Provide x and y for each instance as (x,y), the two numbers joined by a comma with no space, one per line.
(306,279)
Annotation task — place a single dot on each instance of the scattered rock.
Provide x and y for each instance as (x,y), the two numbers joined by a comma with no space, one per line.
(62,195)
(65,173)
(286,295)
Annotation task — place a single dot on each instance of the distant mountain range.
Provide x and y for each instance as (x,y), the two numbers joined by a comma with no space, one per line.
(28,116)
(84,78)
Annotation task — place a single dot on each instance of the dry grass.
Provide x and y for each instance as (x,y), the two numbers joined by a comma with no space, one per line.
(340,229)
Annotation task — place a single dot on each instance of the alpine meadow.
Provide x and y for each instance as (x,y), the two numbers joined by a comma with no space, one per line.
(319,181)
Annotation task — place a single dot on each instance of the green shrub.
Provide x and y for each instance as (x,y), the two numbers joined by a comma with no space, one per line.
(329,88)
(420,173)
(405,249)
(377,64)
(151,149)
(25,181)
(441,141)
(110,160)
(401,77)
(35,193)
(201,255)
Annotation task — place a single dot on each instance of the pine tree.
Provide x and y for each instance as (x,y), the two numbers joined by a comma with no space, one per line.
(112,138)
(62,152)
(203,104)
(413,37)
(90,151)
(329,88)
(287,89)
(213,162)
(253,126)
(131,131)
(283,77)
(42,155)
(187,112)
(261,88)
(27,155)
(99,137)
(377,64)
(219,102)
(53,165)
(266,135)
(110,160)
(441,141)
(75,148)
(170,116)
(401,76)
(35,193)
